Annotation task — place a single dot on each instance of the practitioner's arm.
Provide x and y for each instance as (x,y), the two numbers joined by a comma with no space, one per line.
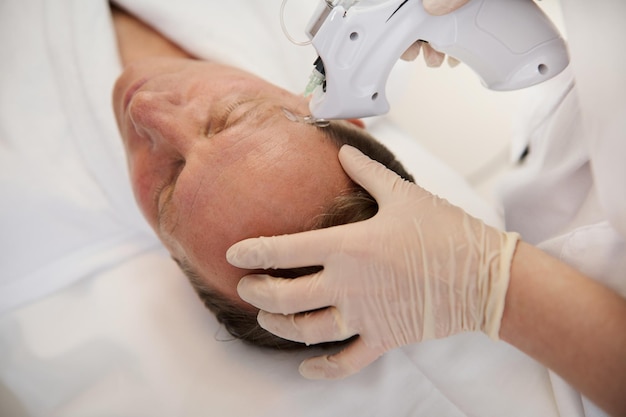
(570,323)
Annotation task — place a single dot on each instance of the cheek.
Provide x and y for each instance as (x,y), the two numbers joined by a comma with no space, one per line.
(144,179)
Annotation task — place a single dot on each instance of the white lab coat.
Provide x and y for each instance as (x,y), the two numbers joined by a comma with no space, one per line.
(568,195)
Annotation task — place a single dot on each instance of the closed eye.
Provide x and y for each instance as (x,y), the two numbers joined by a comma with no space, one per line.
(222,121)
(225,121)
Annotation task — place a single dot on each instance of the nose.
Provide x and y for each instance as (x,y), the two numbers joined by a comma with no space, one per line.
(160,117)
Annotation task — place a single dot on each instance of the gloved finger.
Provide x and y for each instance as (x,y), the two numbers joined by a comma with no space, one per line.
(452,61)
(376,178)
(440,7)
(432,57)
(283,296)
(312,327)
(309,248)
(350,360)
(412,51)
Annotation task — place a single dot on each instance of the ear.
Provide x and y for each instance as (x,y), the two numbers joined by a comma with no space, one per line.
(357,122)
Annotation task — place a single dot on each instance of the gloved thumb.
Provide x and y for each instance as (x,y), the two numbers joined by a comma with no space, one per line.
(441,7)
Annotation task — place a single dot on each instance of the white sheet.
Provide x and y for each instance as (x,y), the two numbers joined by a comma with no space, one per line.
(66,207)
(124,334)
(134,341)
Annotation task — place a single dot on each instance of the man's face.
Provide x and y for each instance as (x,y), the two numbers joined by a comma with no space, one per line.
(213,160)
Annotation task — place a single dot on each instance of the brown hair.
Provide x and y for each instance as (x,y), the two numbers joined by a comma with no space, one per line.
(353,206)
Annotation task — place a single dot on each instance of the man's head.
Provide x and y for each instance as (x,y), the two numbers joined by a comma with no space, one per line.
(213,160)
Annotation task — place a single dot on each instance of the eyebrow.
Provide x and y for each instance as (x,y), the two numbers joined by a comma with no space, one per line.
(253,112)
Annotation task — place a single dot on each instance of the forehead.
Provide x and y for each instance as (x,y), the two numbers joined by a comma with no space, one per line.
(268,159)
(280,186)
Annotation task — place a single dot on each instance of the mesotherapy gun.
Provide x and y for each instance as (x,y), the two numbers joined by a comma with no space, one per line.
(509,44)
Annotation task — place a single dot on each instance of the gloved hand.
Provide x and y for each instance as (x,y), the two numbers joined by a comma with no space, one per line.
(432,57)
(419,269)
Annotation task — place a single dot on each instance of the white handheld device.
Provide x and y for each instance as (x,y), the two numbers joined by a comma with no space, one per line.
(510,44)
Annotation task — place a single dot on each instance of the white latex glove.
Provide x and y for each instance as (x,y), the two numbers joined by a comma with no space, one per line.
(419,269)
(441,7)
(432,57)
